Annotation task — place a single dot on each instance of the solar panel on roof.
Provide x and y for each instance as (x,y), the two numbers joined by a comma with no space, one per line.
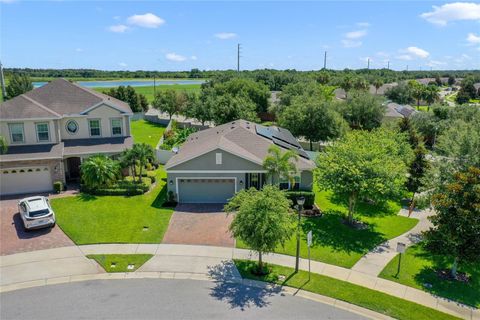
(286,136)
(263,131)
(288,146)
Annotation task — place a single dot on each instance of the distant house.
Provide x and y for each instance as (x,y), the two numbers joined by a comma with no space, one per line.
(398,111)
(50,130)
(213,164)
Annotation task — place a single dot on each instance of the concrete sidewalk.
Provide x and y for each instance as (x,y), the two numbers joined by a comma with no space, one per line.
(190,261)
(376,260)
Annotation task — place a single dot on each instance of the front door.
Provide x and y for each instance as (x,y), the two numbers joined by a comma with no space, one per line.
(73,167)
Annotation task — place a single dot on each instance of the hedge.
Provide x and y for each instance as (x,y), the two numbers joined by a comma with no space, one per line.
(292,195)
(124,187)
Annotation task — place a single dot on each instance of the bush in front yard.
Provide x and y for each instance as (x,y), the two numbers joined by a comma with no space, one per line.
(58,186)
(126,187)
(293,195)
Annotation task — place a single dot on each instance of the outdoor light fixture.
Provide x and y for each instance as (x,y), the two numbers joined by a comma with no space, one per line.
(241,182)
(171,182)
(301,201)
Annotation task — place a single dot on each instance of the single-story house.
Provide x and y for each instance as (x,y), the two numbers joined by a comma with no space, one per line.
(51,129)
(398,111)
(214,164)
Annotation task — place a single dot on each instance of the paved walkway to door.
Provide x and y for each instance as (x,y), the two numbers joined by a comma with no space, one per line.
(199,224)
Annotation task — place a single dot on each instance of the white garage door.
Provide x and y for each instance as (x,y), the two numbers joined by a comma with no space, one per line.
(205,190)
(25,180)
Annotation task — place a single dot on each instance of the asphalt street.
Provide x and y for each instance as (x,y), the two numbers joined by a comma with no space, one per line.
(161,299)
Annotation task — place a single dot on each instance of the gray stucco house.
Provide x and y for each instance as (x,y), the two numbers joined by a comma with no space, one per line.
(214,164)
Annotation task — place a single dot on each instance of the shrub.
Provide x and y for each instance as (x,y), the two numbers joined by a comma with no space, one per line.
(58,186)
(119,192)
(292,195)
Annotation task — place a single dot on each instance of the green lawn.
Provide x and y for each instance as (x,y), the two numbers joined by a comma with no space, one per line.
(120,262)
(146,132)
(148,90)
(337,289)
(338,244)
(88,219)
(418,268)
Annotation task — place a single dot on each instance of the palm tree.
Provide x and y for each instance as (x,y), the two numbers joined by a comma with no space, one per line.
(377,83)
(346,84)
(280,164)
(431,95)
(99,171)
(129,159)
(3,145)
(418,91)
(143,153)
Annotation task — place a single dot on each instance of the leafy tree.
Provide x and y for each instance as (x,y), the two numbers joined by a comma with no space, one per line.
(314,119)
(99,171)
(365,165)
(429,125)
(431,95)
(377,83)
(451,80)
(347,84)
(467,90)
(195,73)
(143,153)
(417,90)
(262,220)
(3,145)
(438,81)
(128,159)
(280,165)
(18,84)
(400,94)
(363,110)
(136,101)
(226,108)
(199,108)
(417,172)
(309,89)
(169,101)
(361,84)
(323,77)
(456,225)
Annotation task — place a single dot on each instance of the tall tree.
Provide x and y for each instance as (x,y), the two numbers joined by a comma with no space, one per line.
(168,101)
(417,90)
(262,221)
(401,94)
(456,224)
(99,171)
(143,153)
(365,165)
(377,83)
(199,107)
(280,165)
(347,84)
(226,108)
(314,119)
(17,85)
(363,110)
(431,95)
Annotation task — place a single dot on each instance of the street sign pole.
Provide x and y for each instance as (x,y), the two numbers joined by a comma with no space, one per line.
(400,249)
(309,243)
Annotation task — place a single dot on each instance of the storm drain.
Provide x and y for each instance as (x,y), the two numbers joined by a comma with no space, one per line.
(145,228)
(130,267)
(113,265)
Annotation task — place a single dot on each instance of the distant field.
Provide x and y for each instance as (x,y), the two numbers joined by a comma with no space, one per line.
(148,90)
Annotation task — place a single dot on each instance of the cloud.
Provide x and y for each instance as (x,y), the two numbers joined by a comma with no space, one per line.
(147,20)
(455,11)
(118,28)
(351,43)
(405,57)
(435,63)
(472,38)
(363,24)
(172,56)
(417,52)
(356,34)
(193,58)
(225,35)
(122,64)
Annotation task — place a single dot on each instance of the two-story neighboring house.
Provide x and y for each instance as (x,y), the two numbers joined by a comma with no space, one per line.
(50,130)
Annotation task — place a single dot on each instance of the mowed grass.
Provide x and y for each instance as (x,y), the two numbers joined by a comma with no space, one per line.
(345,291)
(338,244)
(88,219)
(120,262)
(148,91)
(418,268)
(146,132)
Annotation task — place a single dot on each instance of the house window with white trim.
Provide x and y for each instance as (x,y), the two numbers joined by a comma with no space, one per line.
(94,126)
(218,158)
(116,125)
(16,132)
(285,184)
(43,133)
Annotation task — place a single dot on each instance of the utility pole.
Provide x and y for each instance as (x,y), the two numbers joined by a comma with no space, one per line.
(388,65)
(154,85)
(368,63)
(238,57)
(407,67)
(325,61)
(2,82)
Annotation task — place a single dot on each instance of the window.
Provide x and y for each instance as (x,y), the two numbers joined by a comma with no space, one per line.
(16,132)
(285,184)
(42,132)
(218,158)
(95,130)
(71,126)
(116,127)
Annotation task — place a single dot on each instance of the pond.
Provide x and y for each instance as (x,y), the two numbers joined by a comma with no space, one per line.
(133,83)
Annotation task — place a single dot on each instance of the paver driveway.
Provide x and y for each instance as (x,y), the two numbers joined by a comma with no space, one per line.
(13,239)
(199,224)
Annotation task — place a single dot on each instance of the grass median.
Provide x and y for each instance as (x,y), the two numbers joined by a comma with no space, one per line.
(120,262)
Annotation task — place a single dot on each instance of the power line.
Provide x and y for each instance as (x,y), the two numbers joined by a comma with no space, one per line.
(325,61)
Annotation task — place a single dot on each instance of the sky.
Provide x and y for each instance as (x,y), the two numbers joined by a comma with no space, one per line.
(171,36)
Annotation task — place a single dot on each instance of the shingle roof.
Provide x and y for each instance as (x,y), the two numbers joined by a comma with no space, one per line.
(395,110)
(58,97)
(96,145)
(32,152)
(238,137)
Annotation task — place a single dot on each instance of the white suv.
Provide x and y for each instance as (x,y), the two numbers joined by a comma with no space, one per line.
(36,213)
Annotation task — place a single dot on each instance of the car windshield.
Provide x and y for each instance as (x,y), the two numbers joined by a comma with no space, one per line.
(38,213)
